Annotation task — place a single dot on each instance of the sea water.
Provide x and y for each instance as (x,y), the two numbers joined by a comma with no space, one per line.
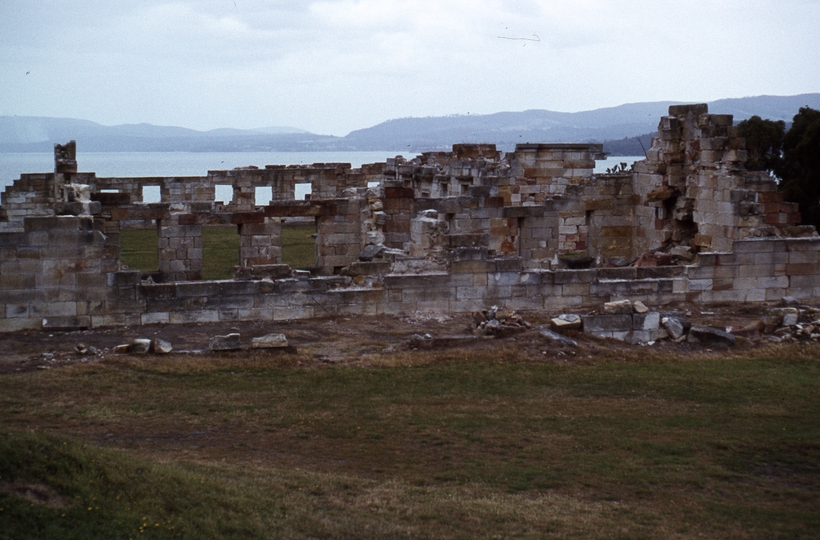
(127,164)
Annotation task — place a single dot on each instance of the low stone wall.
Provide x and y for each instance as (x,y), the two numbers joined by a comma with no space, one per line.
(36,292)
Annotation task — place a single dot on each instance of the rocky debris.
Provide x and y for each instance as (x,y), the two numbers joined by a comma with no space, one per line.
(792,323)
(420,341)
(710,336)
(566,321)
(230,342)
(682,254)
(555,337)
(491,323)
(270,341)
(370,252)
(778,317)
(145,346)
(427,341)
(160,346)
(83,349)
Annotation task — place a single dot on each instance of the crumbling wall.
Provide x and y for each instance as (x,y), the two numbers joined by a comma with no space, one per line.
(443,232)
(695,191)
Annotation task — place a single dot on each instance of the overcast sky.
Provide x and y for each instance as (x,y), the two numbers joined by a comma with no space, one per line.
(332,66)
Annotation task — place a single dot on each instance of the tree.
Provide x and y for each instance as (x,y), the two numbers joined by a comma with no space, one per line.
(799,167)
(764,138)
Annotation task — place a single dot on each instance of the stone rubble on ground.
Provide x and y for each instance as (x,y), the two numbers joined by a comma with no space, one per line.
(270,341)
(229,342)
(492,323)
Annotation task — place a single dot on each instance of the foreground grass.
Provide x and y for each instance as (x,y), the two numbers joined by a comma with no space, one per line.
(220,249)
(458,445)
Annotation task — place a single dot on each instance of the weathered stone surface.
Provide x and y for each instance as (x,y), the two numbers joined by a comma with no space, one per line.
(140,346)
(674,326)
(710,336)
(160,346)
(618,307)
(567,321)
(639,307)
(370,252)
(270,341)
(229,342)
(554,337)
(607,323)
(646,321)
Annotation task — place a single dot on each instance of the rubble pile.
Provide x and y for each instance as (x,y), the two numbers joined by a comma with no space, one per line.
(790,323)
(492,323)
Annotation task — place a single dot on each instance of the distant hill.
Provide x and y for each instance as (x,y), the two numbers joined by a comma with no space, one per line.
(619,128)
(38,134)
(509,128)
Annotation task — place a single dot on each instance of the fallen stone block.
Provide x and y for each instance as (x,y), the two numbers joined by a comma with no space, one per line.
(596,324)
(230,342)
(646,321)
(566,321)
(160,346)
(555,337)
(618,307)
(708,335)
(640,307)
(270,341)
(674,326)
(139,346)
(371,252)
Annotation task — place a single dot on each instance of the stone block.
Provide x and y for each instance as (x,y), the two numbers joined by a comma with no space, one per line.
(646,321)
(562,277)
(66,322)
(204,316)
(618,307)
(270,341)
(155,318)
(607,323)
(229,342)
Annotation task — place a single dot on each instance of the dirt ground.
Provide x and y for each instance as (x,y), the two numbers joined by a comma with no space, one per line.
(347,339)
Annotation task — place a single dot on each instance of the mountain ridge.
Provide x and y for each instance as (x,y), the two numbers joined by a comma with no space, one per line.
(505,129)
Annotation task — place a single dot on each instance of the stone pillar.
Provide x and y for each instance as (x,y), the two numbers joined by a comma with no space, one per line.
(260,243)
(179,249)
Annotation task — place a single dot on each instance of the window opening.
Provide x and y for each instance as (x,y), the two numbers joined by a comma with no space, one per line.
(263,195)
(223,193)
(151,194)
(302,191)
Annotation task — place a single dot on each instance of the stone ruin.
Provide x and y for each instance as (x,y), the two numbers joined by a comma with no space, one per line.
(460,231)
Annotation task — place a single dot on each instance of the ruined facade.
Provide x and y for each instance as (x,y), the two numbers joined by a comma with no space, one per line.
(444,232)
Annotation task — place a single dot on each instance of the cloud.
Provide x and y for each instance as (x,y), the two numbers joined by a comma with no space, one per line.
(337,65)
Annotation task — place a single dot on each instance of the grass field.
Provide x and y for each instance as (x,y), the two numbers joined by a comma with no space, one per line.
(220,249)
(456,444)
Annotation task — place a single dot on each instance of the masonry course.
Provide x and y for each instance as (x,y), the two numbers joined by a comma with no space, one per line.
(456,231)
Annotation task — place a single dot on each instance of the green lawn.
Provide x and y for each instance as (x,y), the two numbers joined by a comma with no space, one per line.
(461,444)
(220,252)
(138,249)
(298,246)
